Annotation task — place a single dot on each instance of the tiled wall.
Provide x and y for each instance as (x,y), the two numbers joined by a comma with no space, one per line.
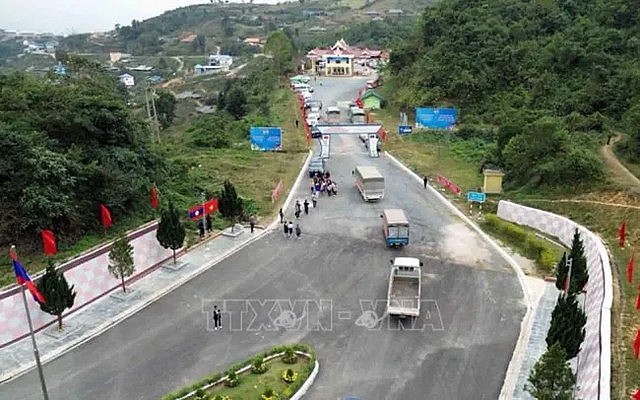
(594,360)
(88,272)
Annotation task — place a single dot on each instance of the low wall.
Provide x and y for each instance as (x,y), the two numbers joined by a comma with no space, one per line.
(88,272)
(594,359)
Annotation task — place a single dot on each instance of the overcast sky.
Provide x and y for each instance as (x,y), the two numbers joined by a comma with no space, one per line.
(76,16)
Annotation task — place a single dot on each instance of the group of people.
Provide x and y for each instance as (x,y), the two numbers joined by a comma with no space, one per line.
(323,183)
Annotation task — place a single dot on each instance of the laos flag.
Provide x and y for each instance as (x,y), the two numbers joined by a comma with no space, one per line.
(195,213)
(22,278)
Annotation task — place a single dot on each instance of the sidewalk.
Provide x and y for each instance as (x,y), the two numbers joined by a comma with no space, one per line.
(114,307)
(543,298)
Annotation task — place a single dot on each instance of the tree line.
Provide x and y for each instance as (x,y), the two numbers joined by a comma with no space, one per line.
(554,76)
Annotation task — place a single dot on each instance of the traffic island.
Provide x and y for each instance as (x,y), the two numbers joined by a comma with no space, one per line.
(234,231)
(174,267)
(68,328)
(283,372)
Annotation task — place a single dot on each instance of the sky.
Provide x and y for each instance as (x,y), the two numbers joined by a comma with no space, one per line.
(78,16)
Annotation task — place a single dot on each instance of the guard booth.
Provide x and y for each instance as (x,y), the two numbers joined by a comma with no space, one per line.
(492,181)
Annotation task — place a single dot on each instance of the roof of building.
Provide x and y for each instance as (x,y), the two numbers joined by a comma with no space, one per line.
(371,93)
(253,40)
(342,48)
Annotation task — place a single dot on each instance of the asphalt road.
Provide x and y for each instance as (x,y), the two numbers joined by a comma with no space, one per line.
(458,349)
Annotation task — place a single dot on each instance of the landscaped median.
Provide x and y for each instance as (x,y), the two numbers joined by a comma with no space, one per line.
(280,373)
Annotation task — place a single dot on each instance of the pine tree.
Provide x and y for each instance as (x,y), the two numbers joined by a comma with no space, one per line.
(551,377)
(58,295)
(171,231)
(229,203)
(121,260)
(561,272)
(579,272)
(567,325)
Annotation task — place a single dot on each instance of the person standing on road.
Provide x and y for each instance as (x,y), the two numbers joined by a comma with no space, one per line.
(298,231)
(286,229)
(281,216)
(425,181)
(252,223)
(297,124)
(306,207)
(298,207)
(217,318)
(209,223)
(290,229)
(314,199)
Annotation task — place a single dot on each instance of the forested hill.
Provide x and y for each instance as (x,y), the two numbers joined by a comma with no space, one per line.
(513,62)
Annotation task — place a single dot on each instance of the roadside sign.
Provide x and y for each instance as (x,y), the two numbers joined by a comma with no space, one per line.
(478,197)
(404,129)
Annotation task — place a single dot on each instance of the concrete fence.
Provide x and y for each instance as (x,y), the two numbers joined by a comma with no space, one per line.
(594,359)
(88,272)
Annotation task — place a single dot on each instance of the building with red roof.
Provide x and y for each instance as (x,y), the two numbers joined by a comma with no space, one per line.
(344,60)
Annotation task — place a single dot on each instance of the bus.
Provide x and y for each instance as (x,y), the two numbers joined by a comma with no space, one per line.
(333,115)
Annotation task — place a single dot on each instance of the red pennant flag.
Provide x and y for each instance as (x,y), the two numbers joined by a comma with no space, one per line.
(211,206)
(106,216)
(630,268)
(48,242)
(636,395)
(636,345)
(621,233)
(154,197)
(638,299)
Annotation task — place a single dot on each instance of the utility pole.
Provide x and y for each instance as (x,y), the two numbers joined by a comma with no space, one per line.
(156,125)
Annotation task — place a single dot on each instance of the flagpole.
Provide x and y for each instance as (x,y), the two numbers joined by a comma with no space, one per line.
(35,346)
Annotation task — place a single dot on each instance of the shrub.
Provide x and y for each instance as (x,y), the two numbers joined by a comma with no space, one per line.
(201,395)
(258,366)
(289,356)
(232,379)
(526,242)
(289,376)
(269,394)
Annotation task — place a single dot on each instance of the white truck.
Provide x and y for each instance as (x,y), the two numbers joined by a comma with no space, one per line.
(369,182)
(403,297)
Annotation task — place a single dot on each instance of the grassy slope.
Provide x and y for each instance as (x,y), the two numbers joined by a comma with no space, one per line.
(458,161)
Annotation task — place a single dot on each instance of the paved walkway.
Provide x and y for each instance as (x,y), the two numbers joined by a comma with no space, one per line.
(115,307)
(543,298)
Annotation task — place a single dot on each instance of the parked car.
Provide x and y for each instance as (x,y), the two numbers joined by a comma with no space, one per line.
(315,132)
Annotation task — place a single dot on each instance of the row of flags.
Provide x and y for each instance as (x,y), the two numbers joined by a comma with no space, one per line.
(622,231)
(195,213)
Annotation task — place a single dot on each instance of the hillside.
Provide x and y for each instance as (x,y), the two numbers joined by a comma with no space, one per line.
(310,24)
(561,73)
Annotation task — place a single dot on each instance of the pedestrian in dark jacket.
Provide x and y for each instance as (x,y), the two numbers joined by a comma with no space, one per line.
(281,216)
(306,206)
(425,181)
(298,231)
(285,227)
(209,224)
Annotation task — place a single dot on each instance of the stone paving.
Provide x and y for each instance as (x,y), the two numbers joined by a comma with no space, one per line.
(536,344)
(102,314)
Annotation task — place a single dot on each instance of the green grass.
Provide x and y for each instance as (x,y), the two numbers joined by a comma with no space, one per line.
(253,173)
(253,385)
(458,161)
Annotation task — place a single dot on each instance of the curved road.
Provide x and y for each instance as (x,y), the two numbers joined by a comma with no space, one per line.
(458,349)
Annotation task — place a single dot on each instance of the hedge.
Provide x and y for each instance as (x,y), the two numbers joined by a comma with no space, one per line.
(524,241)
(248,361)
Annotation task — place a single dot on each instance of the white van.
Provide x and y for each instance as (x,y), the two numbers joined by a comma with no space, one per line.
(300,87)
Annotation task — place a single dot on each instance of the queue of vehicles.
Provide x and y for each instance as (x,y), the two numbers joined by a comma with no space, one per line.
(404,287)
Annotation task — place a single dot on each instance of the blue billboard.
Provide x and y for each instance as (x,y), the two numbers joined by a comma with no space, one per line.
(436,118)
(265,138)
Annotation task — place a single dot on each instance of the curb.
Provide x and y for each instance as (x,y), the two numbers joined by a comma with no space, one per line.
(45,358)
(287,202)
(131,311)
(513,369)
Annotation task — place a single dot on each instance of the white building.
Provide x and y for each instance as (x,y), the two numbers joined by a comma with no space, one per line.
(220,60)
(127,80)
